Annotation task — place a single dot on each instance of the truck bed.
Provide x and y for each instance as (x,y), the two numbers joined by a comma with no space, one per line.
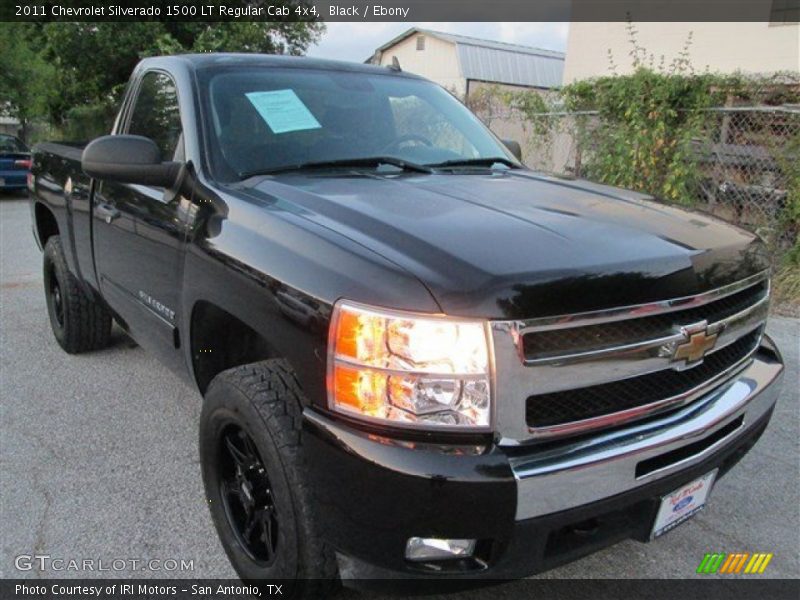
(61,184)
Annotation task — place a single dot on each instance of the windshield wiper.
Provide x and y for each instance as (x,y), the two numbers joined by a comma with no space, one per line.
(372,161)
(475,162)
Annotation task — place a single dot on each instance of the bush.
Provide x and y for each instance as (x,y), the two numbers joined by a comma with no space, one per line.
(84,123)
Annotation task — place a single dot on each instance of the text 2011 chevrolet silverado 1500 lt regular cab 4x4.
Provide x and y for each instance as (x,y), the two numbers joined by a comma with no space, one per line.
(417,357)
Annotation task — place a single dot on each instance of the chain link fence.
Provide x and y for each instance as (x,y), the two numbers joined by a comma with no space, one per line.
(748,161)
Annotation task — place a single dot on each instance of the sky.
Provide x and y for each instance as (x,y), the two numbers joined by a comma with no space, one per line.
(357,41)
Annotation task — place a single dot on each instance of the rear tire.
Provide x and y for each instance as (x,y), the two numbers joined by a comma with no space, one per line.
(256,480)
(80,323)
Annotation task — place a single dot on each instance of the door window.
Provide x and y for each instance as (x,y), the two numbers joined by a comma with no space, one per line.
(156,114)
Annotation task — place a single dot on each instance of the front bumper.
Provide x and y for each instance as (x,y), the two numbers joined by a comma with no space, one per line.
(533,507)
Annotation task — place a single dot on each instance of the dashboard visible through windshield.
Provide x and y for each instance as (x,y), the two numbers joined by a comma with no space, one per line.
(266,120)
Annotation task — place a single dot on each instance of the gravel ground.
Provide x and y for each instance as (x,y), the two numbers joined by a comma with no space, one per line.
(98,457)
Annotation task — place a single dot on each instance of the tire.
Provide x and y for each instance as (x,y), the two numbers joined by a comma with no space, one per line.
(262,401)
(80,323)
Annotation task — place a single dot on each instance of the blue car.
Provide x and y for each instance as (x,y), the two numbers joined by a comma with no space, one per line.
(15,163)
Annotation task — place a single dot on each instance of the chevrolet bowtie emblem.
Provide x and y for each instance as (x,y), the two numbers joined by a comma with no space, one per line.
(699,342)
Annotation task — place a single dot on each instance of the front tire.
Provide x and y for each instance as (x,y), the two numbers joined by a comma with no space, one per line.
(256,481)
(80,322)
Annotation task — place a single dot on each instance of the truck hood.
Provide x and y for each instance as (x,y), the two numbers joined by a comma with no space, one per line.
(518,244)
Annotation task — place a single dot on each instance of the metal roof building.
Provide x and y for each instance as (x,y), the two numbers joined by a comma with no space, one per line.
(446,56)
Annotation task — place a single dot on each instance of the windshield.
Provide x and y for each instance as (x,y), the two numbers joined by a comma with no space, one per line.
(266,120)
(11,145)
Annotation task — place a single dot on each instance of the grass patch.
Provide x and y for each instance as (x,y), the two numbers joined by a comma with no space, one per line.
(786,282)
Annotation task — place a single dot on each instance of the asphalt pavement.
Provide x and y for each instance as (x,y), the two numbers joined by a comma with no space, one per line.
(98,458)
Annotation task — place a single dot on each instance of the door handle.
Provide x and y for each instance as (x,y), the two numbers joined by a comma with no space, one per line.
(106,212)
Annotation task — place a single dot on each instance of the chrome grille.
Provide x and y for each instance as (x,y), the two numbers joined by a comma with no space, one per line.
(571,374)
(547,410)
(545,344)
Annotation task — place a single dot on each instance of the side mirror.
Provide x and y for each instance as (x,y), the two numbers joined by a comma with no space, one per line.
(515,148)
(128,159)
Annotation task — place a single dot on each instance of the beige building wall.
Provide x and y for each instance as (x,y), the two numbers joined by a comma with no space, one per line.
(437,62)
(722,47)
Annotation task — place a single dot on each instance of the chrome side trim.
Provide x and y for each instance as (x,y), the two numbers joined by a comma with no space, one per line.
(578,473)
(637,310)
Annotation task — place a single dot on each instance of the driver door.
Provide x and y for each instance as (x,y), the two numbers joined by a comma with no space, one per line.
(139,232)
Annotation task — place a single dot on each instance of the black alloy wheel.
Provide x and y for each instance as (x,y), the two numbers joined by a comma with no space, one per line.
(247,495)
(56,301)
(258,481)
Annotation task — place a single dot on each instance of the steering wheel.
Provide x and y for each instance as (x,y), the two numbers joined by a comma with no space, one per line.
(408,137)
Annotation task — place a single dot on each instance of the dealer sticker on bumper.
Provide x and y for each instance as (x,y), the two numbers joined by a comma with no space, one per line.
(682,504)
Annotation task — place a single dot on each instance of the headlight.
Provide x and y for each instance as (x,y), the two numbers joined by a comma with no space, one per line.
(409,370)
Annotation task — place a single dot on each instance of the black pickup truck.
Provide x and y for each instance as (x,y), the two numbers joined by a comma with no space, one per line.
(418,358)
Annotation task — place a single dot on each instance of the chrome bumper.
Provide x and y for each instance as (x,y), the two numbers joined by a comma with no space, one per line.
(572,475)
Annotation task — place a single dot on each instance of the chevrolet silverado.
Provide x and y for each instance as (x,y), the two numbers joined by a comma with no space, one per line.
(418,358)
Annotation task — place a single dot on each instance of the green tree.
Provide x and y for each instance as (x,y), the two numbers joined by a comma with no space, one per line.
(93,61)
(25,77)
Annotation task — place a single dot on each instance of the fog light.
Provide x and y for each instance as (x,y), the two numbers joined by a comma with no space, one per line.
(420,549)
